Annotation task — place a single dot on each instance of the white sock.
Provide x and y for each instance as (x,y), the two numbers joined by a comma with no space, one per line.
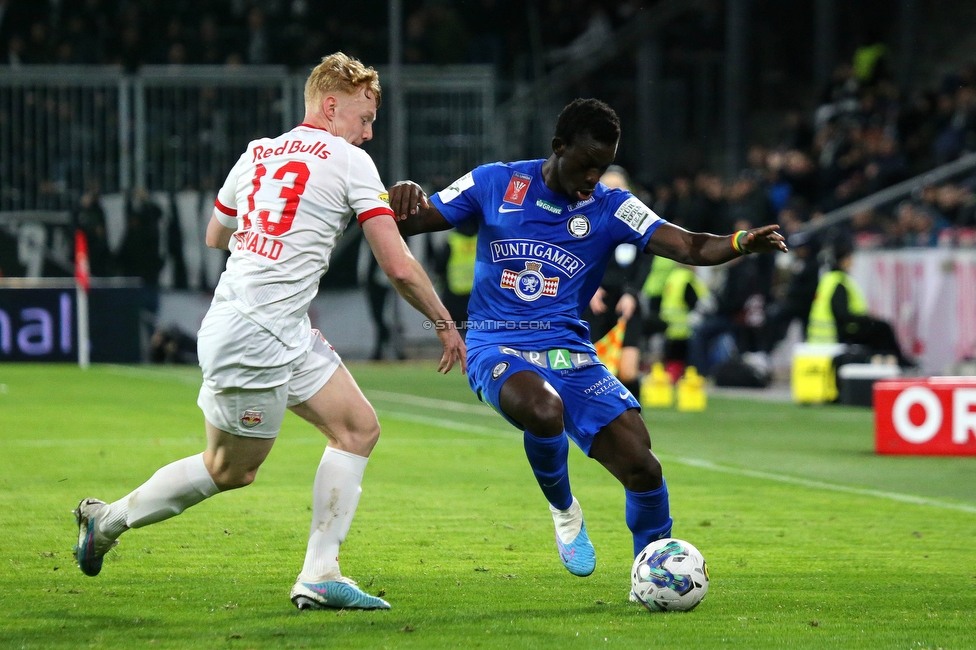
(167,493)
(568,522)
(335,496)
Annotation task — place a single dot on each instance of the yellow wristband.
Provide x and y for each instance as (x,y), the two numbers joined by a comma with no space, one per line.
(736,245)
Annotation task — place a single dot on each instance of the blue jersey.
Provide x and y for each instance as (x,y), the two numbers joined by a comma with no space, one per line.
(541,255)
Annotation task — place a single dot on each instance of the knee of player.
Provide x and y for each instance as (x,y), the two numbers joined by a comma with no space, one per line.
(361,434)
(232,478)
(644,474)
(546,415)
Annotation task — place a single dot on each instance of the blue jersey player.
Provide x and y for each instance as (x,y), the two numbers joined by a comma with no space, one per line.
(546,230)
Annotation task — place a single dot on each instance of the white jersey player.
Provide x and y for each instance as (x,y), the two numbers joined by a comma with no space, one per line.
(280,211)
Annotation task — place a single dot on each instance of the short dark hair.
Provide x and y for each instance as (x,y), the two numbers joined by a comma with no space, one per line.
(588,116)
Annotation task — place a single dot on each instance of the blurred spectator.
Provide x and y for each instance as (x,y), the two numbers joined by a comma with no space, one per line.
(172,345)
(436,34)
(747,203)
(258,38)
(738,312)
(388,340)
(792,299)
(684,298)
(918,225)
(139,255)
(91,220)
(617,297)
(840,313)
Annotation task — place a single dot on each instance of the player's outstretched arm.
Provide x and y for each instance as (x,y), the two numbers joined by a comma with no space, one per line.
(413,211)
(702,249)
(411,282)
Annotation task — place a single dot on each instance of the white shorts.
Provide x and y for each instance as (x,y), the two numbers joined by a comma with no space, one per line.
(250,377)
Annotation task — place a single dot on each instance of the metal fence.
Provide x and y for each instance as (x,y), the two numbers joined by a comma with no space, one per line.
(68,130)
(175,132)
(61,130)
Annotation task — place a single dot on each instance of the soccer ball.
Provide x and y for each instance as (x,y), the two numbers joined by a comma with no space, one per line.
(669,575)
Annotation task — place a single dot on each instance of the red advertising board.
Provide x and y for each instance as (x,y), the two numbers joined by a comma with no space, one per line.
(925,416)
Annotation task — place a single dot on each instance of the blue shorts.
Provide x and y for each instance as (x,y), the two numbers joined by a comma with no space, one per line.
(592,397)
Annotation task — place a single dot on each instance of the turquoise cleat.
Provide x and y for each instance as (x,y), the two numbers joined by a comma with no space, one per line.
(578,556)
(92,545)
(334,594)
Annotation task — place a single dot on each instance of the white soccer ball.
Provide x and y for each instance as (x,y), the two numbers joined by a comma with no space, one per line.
(669,575)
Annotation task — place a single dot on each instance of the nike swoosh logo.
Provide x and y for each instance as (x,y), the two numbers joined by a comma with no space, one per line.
(622,395)
(503,209)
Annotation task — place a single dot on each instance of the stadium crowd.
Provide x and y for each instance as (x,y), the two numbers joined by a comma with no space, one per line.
(864,135)
(295,33)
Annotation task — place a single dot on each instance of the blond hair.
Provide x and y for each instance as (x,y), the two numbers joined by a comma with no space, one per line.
(340,73)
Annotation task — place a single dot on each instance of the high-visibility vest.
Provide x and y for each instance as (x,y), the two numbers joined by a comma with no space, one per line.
(822,327)
(674,309)
(660,268)
(460,263)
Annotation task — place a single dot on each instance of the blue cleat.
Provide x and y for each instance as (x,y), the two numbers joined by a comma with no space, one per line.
(334,594)
(577,555)
(92,545)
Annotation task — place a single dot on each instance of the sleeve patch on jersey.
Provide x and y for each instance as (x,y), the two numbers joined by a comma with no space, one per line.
(230,212)
(636,215)
(517,187)
(374,212)
(454,190)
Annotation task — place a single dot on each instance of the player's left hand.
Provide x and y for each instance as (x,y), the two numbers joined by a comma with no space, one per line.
(626,306)
(764,240)
(454,350)
(407,198)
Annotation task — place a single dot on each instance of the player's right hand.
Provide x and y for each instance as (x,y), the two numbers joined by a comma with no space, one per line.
(407,198)
(454,350)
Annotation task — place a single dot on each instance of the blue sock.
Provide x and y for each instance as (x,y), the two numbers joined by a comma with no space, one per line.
(648,516)
(548,456)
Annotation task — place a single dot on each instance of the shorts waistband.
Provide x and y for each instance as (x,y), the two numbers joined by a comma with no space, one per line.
(554,359)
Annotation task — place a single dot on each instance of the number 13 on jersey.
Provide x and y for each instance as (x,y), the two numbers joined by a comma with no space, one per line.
(277,223)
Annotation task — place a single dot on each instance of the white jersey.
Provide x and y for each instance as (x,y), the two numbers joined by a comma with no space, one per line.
(289,199)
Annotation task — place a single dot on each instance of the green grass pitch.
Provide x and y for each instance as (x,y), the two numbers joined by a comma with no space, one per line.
(812,540)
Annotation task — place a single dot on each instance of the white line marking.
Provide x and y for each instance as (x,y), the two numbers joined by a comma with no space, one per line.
(182,376)
(702,464)
(460,407)
(820,485)
(450,425)
(429,402)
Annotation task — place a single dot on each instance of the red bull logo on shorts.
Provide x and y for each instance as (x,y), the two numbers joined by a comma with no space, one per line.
(251,419)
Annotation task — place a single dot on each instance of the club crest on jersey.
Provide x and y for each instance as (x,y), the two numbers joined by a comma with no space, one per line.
(251,419)
(529,284)
(578,226)
(517,187)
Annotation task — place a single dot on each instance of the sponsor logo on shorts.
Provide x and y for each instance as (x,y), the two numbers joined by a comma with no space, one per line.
(579,226)
(557,359)
(251,419)
(499,369)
